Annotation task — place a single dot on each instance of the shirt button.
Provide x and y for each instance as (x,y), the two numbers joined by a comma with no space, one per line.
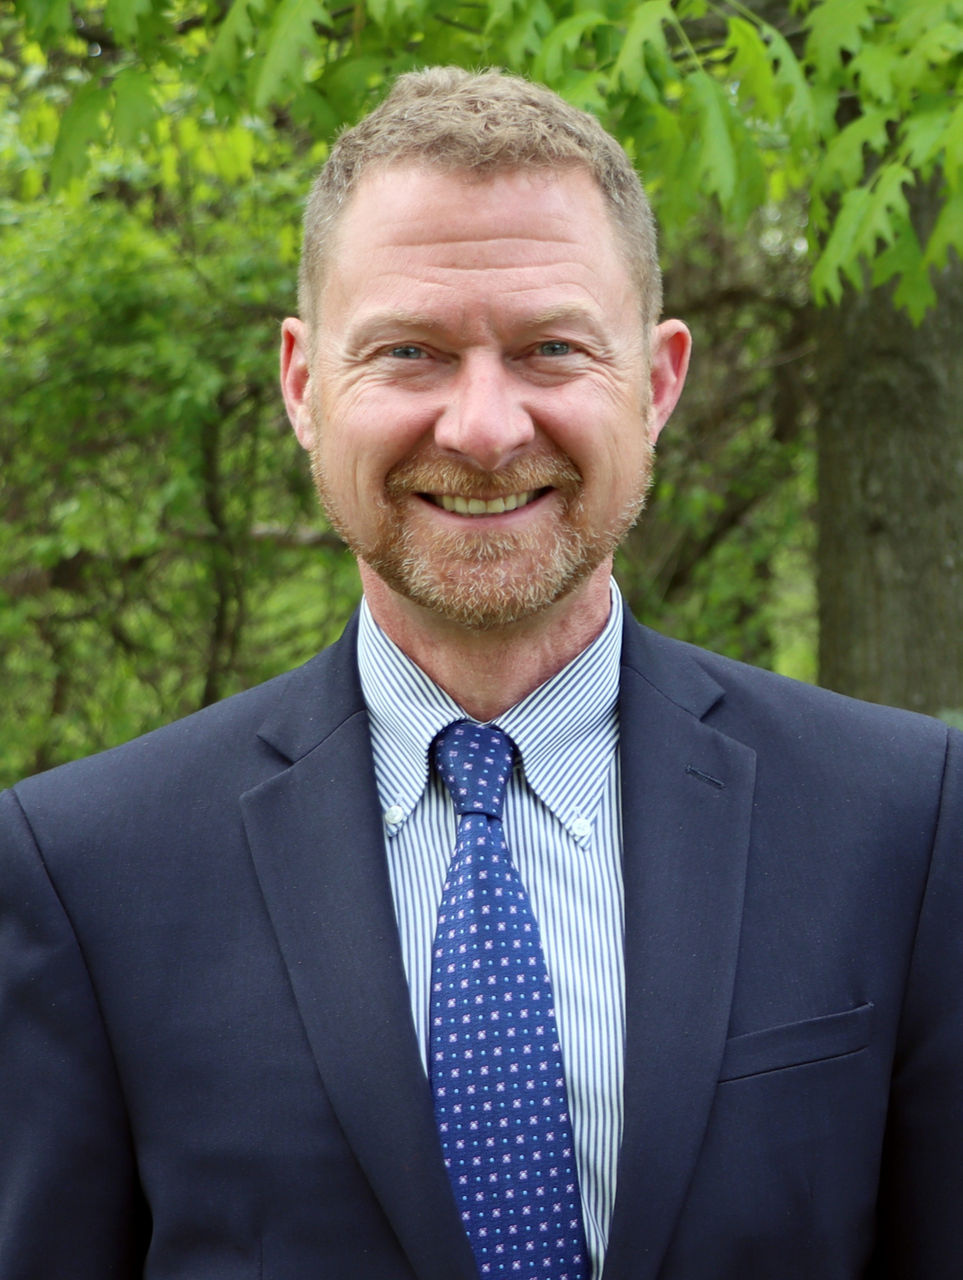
(394,814)
(581,828)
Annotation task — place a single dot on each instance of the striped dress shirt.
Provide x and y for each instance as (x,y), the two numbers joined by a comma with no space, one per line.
(562,821)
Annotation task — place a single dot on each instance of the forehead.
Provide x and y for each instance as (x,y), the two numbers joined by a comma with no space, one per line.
(515,232)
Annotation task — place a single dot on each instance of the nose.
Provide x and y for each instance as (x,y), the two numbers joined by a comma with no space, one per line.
(484,418)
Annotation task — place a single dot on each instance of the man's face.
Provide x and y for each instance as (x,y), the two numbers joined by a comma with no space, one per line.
(477,400)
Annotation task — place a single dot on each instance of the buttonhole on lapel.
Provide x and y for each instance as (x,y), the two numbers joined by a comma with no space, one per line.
(705,777)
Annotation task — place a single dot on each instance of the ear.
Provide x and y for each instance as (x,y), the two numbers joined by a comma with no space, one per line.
(296,380)
(671,345)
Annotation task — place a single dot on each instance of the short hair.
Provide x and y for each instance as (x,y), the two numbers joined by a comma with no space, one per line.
(481,124)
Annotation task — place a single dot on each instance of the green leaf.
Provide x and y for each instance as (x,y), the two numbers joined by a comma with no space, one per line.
(825,104)
(660,145)
(916,17)
(874,65)
(843,164)
(923,136)
(500,13)
(46,20)
(903,261)
(947,234)
(902,255)
(388,13)
(929,63)
(752,70)
(836,27)
(122,17)
(234,34)
(826,281)
(646,28)
(717,165)
(915,293)
(953,144)
(889,199)
(82,124)
(134,107)
(564,39)
(527,34)
(939,44)
(291,34)
(791,77)
(582,89)
(868,216)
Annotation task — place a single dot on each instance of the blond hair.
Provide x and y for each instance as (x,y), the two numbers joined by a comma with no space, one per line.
(479,124)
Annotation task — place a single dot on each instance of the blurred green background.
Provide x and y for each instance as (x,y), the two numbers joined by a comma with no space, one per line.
(160,545)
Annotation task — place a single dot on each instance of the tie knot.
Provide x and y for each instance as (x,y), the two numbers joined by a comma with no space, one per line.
(474,761)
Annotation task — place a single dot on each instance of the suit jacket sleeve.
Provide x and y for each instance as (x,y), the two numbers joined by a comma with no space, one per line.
(920,1223)
(60,1103)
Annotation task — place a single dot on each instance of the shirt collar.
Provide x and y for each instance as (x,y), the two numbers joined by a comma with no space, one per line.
(566,731)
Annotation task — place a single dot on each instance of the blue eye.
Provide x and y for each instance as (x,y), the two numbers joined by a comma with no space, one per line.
(408,351)
(554,348)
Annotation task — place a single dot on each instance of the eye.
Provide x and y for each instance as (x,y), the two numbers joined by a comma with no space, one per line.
(406,351)
(554,348)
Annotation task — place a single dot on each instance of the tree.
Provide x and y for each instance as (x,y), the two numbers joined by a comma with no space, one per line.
(153,158)
(890,447)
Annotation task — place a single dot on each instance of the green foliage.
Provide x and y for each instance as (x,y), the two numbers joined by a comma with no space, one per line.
(722,556)
(160,546)
(900,65)
(845,102)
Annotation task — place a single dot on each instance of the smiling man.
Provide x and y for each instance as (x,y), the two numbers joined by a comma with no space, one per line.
(505,938)
(480,394)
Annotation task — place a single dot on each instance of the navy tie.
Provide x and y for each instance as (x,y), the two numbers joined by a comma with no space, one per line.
(495,1062)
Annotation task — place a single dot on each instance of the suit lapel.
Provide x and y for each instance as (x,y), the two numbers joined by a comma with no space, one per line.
(317,842)
(686,799)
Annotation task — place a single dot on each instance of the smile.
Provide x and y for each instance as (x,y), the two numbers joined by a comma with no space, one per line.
(484,506)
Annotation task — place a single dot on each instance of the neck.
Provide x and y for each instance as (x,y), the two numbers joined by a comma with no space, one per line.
(486,672)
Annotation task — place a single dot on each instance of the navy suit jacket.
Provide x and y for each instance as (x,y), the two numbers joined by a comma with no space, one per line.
(208,1069)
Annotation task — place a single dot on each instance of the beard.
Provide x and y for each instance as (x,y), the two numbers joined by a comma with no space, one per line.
(483,580)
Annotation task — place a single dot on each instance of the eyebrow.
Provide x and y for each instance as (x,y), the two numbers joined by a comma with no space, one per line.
(373,325)
(562,314)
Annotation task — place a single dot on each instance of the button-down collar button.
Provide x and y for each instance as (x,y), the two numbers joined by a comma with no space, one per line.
(394,815)
(581,828)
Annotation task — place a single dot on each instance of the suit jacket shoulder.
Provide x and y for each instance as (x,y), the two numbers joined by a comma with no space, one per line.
(210,757)
(839,736)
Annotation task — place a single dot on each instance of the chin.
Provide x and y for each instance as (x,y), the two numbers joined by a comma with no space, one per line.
(488,591)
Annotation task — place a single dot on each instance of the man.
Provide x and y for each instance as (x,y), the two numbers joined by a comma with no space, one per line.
(224,1047)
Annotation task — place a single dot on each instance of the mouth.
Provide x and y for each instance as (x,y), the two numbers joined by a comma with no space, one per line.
(459,505)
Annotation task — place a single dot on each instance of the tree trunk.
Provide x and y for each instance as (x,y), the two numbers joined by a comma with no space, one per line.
(890,508)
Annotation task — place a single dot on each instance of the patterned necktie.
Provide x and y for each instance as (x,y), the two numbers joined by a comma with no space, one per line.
(495,1062)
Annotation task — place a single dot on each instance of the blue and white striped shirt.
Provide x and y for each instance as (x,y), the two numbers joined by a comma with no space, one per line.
(563,824)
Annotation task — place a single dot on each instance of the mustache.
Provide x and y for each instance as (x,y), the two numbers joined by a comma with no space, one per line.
(443,475)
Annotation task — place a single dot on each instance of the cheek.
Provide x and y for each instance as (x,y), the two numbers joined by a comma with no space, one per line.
(357,450)
(603,434)
(376,425)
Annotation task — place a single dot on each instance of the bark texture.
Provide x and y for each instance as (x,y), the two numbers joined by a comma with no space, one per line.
(890,507)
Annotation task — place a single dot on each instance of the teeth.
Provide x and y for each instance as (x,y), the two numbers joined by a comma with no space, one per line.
(482,506)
